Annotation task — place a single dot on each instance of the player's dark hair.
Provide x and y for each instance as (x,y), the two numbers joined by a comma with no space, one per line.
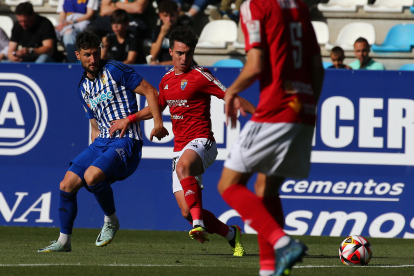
(338,51)
(119,17)
(184,35)
(87,40)
(168,6)
(361,39)
(25,8)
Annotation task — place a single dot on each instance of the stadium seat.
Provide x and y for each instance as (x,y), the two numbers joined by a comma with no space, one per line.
(217,33)
(407,67)
(349,33)
(228,63)
(400,38)
(321,31)
(388,6)
(17,2)
(239,45)
(341,5)
(6,24)
(53,3)
(326,64)
(412,9)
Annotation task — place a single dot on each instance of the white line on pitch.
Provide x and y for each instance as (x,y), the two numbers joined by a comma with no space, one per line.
(341,198)
(200,265)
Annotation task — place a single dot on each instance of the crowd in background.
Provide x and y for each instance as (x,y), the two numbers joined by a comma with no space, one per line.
(122,25)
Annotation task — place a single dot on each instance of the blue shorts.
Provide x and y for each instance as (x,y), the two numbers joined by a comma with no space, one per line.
(117,158)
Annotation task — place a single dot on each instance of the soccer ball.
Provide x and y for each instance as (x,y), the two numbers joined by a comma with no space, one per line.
(355,250)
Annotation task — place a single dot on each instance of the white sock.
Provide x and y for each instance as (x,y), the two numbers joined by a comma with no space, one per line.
(64,238)
(266,272)
(199,223)
(283,241)
(231,234)
(112,219)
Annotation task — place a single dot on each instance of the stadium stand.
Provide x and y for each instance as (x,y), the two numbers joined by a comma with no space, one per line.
(217,34)
(388,6)
(399,39)
(342,5)
(53,3)
(17,2)
(228,63)
(322,32)
(350,33)
(407,67)
(6,24)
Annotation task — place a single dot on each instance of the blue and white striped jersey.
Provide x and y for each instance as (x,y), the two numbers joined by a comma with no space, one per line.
(110,96)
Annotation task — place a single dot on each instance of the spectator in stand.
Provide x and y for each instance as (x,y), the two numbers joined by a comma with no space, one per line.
(4,45)
(197,6)
(225,12)
(337,57)
(138,15)
(168,13)
(361,50)
(74,17)
(122,45)
(35,35)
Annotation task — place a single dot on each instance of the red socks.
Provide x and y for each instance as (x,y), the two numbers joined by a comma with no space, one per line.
(214,225)
(266,251)
(253,212)
(192,195)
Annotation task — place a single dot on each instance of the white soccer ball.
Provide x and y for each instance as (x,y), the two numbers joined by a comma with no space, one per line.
(355,250)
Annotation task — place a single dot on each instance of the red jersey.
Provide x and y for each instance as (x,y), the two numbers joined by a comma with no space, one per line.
(282,29)
(188,95)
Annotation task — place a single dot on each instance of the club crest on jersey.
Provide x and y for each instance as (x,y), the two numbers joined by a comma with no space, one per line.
(183,83)
(103,78)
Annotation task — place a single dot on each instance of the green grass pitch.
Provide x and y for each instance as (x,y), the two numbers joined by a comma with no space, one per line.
(174,253)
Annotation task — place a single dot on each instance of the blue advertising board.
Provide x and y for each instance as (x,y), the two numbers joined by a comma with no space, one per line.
(360,180)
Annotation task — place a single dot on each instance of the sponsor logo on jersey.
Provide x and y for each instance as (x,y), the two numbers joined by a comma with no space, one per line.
(176,117)
(166,86)
(183,83)
(100,98)
(179,103)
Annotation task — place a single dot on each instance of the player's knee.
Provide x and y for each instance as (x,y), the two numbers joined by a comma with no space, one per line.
(221,187)
(91,178)
(183,170)
(68,186)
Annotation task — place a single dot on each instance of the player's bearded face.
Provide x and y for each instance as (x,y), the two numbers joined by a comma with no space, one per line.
(182,56)
(90,60)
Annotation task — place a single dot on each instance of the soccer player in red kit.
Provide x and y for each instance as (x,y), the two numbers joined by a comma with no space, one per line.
(187,90)
(283,54)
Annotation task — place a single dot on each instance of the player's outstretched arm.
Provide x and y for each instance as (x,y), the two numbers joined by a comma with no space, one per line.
(251,70)
(151,94)
(95,129)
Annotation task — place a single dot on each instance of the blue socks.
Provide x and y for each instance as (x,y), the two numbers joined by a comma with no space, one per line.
(105,197)
(68,209)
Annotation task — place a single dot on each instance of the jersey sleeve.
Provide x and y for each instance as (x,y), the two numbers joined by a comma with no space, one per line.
(208,84)
(252,23)
(88,111)
(161,97)
(125,75)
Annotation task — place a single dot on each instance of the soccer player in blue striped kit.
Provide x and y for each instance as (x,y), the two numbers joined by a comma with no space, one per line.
(107,91)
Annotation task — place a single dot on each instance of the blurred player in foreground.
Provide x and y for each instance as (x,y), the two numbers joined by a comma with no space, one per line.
(282,52)
(107,91)
(187,90)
